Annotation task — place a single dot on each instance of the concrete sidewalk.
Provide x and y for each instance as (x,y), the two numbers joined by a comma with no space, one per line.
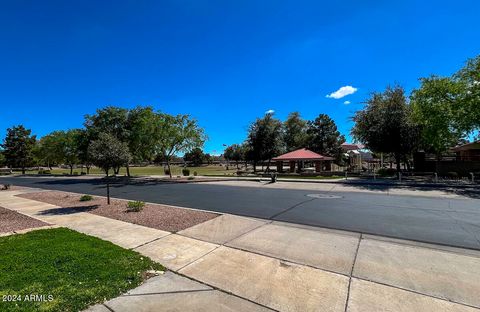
(233,263)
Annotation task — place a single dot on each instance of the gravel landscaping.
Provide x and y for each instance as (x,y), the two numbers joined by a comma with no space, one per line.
(152,215)
(11,221)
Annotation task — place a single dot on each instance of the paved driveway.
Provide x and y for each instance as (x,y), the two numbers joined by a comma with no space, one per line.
(448,221)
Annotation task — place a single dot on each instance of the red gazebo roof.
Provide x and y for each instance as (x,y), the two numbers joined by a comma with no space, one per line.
(301,154)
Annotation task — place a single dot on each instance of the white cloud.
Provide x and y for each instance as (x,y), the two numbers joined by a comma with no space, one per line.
(343,91)
(346,102)
(270,111)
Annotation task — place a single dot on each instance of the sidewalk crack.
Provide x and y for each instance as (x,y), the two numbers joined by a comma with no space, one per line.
(351,272)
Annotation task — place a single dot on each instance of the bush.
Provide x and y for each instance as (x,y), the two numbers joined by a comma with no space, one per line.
(186,172)
(6,187)
(191,178)
(42,171)
(386,172)
(195,173)
(86,198)
(135,206)
(167,171)
(75,173)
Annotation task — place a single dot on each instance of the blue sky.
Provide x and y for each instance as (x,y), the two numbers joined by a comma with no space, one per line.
(223,62)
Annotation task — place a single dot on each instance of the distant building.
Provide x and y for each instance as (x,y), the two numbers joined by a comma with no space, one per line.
(462,160)
(468,152)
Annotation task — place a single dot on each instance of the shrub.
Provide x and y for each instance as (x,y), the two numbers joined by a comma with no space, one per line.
(167,171)
(387,172)
(75,173)
(186,172)
(86,198)
(135,206)
(195,173)
(191,178)
(6,187)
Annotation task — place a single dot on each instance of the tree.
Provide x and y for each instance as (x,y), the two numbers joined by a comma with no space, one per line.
(83,141)
(141,134)
(49,149)
(435,109)
(468,104)
(176,134)
(295,128)
(18,146)
(195,156)
(385,125)
(324,137)
(108,152)
(112,120)
(70,147)
(235,153)
(2,159)
(448,108)
(265,139)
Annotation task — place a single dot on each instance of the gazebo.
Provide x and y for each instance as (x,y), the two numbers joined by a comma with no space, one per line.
(322,163)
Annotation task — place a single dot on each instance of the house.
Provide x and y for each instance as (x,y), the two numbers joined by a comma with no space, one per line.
(297,160)
(468,152)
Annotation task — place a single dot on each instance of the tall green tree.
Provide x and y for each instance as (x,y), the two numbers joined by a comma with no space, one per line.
(468,105)
(18,147)
(177,134)
(2,159)
(324,137)
(112,120)
(435,109)
(49,150)
(108,152)
(71,147)
(265,139)
(295,135)
(386,125)
(141,134)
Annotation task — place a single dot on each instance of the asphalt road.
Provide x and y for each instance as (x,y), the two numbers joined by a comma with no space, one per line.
(453,222)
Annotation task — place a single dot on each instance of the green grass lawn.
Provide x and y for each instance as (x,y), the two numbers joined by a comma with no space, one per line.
(75,269)
(152,170)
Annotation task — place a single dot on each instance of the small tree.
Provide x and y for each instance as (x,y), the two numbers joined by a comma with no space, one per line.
(236,153)
(18,146)
(108,152)
(176,134)
(265,139)
(195,156)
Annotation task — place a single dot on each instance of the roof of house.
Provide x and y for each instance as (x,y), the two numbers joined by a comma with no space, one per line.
(469,146)
(301,154)
(352,146)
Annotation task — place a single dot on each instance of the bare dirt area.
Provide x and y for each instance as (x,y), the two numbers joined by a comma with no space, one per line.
(11,221)
(152,215)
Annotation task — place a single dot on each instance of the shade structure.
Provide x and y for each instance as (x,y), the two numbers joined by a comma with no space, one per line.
(301,154)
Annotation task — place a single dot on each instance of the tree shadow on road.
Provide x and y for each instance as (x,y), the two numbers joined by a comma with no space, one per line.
(68,210)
